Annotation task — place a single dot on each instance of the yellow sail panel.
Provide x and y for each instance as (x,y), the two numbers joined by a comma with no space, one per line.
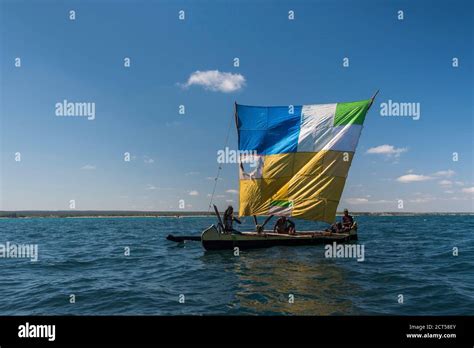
(303,157)
(336,163)
(256,195)
(278,166)
(310,190)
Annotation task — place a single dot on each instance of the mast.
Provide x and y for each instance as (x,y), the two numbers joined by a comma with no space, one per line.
(373,98)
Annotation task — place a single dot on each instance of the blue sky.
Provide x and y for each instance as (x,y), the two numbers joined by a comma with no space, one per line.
(283,62)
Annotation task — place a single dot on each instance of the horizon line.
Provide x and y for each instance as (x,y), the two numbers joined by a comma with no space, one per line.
(209,212)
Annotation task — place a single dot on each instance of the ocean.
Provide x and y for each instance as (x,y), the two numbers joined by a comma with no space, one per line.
(411,256)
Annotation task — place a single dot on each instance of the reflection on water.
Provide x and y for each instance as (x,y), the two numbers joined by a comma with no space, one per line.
(264,280)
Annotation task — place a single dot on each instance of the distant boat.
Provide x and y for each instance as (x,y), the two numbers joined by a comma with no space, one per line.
(294,161)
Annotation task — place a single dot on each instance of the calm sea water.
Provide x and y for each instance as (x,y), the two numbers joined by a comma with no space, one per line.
(410,255)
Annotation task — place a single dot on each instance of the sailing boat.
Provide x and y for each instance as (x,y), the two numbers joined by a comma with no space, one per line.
(300,159)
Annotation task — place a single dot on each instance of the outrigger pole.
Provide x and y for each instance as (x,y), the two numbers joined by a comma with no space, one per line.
(182,239)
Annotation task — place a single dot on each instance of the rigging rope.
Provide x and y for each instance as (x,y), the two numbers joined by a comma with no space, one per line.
(219,168)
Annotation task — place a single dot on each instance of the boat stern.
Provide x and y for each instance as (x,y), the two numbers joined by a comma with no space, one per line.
(210,233)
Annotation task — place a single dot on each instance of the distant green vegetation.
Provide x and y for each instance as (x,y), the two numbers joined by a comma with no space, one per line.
(96,213)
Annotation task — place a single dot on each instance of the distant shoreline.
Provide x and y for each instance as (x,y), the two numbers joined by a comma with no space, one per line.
(99,214)
(82,214)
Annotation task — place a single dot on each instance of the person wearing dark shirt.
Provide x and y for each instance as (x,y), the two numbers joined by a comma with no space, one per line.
(347,221)
(229,219)
(344,226)
(284,226)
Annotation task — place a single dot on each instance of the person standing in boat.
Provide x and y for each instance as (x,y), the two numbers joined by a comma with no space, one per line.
(229,219)
(284,226)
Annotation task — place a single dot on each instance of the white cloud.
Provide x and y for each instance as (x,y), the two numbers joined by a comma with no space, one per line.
(357,185)
(193,193)
(234,192)
(357,200)
(408,178)
(173,124)
(229,200)
(153,187)
(88,167)
(468,189)
(361,200)
(191,173)
(445,173)
(148,160)
(213,178)
(387,150)
(459,199)
(421,200)
(459,183)
(413,178)
(216,81)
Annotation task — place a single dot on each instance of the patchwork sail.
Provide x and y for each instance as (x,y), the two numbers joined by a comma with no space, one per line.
(300,157)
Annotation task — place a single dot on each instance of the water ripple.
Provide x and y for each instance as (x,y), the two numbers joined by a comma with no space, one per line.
(409,256)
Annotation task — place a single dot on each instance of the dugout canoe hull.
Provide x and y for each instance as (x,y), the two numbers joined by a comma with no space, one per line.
(212,239)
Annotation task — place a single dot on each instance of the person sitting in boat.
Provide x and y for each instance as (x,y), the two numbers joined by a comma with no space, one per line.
(284,226)
(347,222)
(229,219)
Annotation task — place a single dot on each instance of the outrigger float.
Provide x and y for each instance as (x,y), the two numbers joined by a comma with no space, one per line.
(298,168)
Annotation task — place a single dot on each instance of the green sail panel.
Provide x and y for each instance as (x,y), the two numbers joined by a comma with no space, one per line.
(351,113)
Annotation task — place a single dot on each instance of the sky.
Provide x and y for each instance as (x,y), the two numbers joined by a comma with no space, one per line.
(48,160)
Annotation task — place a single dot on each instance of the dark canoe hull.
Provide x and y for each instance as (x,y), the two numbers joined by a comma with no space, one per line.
(213,240)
